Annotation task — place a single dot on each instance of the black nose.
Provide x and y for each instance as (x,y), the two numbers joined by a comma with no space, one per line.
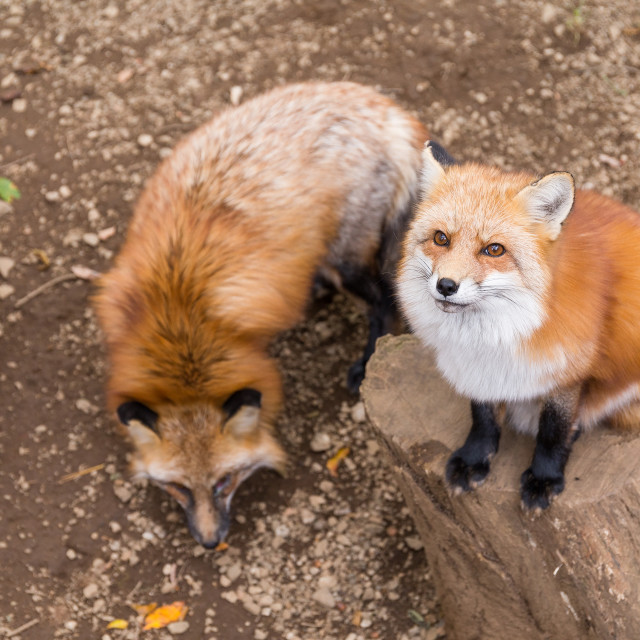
(446,286)
(209,544)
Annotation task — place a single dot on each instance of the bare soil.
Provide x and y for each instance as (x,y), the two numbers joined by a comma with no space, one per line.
(93,94)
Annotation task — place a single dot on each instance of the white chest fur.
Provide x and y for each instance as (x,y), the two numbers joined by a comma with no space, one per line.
(493,372)
(479,349)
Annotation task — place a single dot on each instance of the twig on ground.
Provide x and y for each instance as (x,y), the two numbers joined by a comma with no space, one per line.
(43,287)
(24,627)
(82,472)
(77,273)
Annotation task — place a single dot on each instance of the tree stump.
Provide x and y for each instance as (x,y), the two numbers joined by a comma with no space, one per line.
(571,573)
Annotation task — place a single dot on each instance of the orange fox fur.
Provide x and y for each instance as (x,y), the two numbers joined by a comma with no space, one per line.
(529,298)
(220,257)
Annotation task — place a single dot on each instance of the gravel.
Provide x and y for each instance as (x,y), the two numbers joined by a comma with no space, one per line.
(102,92)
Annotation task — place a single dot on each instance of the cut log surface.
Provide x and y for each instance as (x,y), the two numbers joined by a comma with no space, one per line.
(571,573)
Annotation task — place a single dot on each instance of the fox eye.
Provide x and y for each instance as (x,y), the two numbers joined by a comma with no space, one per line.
(222,485)
(441,239)
(178,491)
(494,250)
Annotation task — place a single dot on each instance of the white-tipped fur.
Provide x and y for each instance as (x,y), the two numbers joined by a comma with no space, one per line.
(549,200)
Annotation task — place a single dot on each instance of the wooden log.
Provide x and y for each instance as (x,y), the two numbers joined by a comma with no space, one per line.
(571,573)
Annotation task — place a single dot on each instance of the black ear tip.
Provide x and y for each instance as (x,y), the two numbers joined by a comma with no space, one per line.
(441,155)
(134,410)
(242,397)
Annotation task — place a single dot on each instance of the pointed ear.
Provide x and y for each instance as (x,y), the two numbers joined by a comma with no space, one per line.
(243,411)
(549,200)
(140,421)
(432,171)
(441,155)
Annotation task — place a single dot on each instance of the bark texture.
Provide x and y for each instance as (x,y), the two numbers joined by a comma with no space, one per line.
(571,573)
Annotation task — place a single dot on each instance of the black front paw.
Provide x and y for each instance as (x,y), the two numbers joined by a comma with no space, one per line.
(537,493)
(463,475)
(356,376)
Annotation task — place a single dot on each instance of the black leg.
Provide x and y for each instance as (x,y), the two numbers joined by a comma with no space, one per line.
(377,292)
(469,466)
(381,319)
(557,432)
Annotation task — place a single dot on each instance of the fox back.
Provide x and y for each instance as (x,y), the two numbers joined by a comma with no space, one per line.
(220,257)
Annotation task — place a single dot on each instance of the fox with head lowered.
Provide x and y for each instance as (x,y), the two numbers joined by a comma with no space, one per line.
(306,182)
(529,293)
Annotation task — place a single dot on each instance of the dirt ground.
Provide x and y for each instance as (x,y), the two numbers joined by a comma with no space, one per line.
(94,93)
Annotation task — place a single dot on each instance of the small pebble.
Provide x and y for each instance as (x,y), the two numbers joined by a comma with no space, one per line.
(235,95)
(323,596)
(82,404)
(234,572)
(91,591)
(413,542)
(320,442)
(6,264)
(358,413)
(178,628)
(19,105)
(122,493)
(145,140)
(91,239)
(5,291)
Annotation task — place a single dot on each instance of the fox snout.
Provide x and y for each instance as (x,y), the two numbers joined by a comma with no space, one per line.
(446,287)
(208,521)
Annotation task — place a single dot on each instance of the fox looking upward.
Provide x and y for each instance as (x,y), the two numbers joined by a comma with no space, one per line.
(304,181)
(529,293)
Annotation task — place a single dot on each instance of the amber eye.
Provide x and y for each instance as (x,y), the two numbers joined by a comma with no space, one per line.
(494,250)
(441,239)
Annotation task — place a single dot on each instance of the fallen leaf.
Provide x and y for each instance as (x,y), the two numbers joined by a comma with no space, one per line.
(144,609)
(162,616)
(118,623)
(334,462)
(45,263)
(8,190)
(223,546)
(417,619)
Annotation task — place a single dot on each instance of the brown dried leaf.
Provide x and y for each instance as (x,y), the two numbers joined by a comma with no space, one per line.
(45,263)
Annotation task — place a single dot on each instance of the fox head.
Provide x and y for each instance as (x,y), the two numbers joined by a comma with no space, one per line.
(199,454)
(476,257)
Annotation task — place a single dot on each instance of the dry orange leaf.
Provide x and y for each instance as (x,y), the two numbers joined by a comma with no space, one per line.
(162,616)
(334,462)
(144,609)
(118,623)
